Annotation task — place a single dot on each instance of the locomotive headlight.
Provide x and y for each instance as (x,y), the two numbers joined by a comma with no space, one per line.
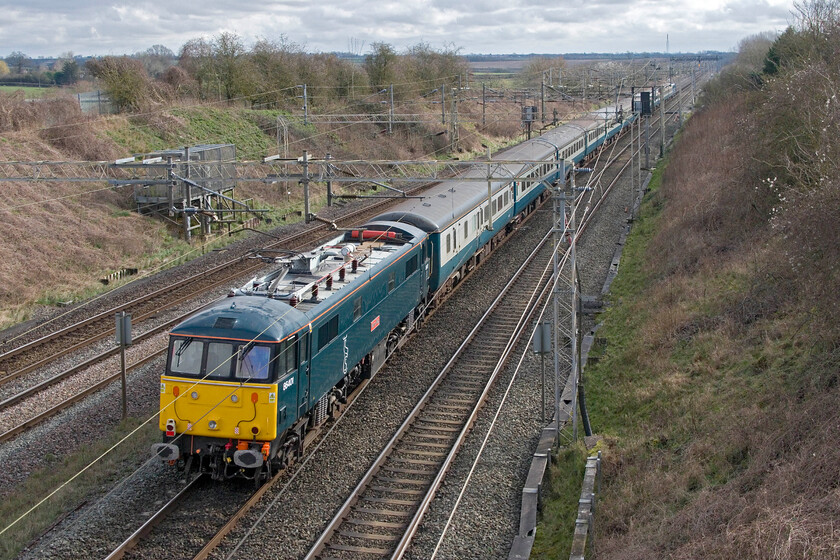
(194,395)
(234,398)
(212,424)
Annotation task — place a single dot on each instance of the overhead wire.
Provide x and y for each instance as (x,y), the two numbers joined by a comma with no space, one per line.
(157,413)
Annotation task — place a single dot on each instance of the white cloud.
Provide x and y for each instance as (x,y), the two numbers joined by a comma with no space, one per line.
(95,27)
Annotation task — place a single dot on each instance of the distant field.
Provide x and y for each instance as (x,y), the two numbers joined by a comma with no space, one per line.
(514,65)
(29,92)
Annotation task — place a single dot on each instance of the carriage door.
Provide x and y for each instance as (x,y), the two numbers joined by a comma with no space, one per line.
(303,374)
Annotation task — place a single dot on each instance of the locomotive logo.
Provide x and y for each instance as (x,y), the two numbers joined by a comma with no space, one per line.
(346,354)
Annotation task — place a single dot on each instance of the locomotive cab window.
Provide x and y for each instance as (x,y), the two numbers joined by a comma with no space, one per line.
(185,356)
(219,360)
(254,363)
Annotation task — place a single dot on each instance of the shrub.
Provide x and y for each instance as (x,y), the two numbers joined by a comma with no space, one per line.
(125,79)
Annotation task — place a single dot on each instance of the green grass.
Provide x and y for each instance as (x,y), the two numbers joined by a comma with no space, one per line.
(555,530)
(672,410)
(39,484)
(610,412)
(138,138)
(30,92)
(227,126)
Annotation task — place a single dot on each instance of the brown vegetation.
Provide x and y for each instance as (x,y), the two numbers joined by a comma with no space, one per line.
(724,425)
(72,234)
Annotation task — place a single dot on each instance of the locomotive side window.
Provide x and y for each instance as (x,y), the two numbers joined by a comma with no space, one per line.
(219,359)
(186,356)
(327,332)
(466,233)
(448,244)
(287,360)
(254,363)
(392,280)
(357,308)
(411,266)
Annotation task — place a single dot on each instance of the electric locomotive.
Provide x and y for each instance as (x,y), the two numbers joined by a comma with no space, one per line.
(247,376)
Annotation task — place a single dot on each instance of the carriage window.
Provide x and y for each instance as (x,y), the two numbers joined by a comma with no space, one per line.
(219,359)
(186,356)
(448,244)
(254,363)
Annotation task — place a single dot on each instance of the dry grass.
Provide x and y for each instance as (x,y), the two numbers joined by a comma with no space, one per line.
(61,238)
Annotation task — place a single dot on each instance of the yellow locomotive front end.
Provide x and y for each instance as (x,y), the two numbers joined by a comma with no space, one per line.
(218,409)
(218,406)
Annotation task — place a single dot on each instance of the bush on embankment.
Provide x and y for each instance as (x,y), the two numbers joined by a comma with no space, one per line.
(717,392)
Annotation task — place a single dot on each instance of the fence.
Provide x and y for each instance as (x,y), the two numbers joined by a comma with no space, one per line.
(96,102)
(584,524)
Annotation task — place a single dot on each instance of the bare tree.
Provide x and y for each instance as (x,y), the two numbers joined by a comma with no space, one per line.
(17,62)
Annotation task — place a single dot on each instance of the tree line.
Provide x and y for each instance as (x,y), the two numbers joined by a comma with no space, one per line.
(268,73)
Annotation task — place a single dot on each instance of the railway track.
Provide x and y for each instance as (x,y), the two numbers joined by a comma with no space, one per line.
(142,303)
(156,519)
(444,431)
(37,414)
(384,510)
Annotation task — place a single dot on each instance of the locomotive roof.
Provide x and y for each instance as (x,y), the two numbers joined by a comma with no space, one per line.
(244,318)
(272,307)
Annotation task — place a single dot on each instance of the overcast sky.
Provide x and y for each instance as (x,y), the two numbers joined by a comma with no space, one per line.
(102,27)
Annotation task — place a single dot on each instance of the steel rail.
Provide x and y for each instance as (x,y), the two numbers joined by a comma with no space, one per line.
(514,339)
(75,398)
(154,520)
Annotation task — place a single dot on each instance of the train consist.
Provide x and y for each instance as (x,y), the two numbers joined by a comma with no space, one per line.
(247,377)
